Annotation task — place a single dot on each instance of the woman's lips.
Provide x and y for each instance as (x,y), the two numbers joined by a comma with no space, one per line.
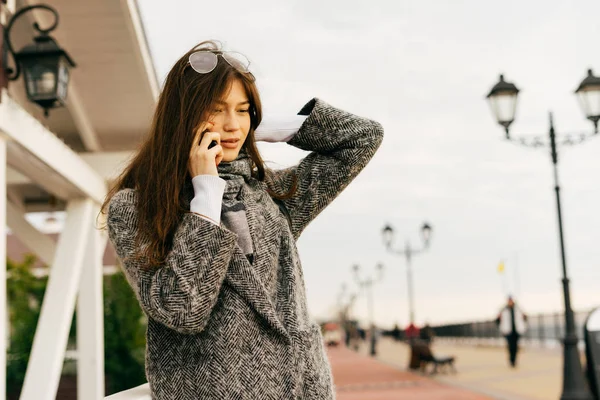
(230,144)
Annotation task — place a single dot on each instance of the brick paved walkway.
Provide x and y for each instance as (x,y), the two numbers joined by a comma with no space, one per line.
(485,368)
(357,376)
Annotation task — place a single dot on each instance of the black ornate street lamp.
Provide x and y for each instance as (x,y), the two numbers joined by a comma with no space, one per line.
(367,284)
(503,102)
(44,64)
(589,98)
(408,252)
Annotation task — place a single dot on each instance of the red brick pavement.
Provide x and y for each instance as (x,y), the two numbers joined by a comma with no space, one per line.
(357,376)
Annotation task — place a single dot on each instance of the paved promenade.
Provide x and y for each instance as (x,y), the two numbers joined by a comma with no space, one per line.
(484,369)
(360,377)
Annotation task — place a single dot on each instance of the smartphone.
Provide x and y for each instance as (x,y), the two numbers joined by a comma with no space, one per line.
(212,144)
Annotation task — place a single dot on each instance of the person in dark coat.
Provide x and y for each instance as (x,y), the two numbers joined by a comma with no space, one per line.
(513,324)
(396,333)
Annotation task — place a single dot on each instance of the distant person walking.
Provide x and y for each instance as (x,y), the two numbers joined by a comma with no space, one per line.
(512,323)
(396,332)
(352,335)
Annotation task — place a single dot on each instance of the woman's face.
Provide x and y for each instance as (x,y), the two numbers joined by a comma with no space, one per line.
(231,118)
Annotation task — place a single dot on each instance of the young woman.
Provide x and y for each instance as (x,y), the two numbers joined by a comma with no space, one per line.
(207,235)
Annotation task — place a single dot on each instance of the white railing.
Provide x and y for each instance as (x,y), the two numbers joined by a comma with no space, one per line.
(141,392)
(75,276)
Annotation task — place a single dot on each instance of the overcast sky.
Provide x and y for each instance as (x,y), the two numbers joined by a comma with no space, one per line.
(423,68)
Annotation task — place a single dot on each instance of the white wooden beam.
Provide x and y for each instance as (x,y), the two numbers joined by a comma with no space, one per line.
(15,198)
(43,207)
(41,272)
(14,177)
(11,6)
(42,245)
(88,134)
(90,320)
(6,11)
(108,165)
(4,331)
(136,28)
(50,341)
(53,157)
(39,173)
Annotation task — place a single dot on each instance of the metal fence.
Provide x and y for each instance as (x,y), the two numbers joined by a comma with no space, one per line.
(542,328)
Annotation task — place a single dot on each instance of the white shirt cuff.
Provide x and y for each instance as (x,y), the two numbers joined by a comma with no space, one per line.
(278,128)
(208,197)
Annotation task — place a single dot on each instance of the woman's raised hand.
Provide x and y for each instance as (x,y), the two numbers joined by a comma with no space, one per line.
(204,161)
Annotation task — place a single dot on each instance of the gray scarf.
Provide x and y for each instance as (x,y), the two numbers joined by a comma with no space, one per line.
(233,211)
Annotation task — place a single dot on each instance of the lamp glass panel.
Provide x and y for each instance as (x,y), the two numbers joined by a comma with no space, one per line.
(63,80)
(504,106)
(40,78)
(589,99)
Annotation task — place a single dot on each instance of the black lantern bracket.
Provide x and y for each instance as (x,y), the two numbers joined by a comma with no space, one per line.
(44,64)
(43,37)
(408,250)
(542,141)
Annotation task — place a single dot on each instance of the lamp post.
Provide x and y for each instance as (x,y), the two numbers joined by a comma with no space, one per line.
(408,252)
(503,99)
(344,307)
(344,304)
(44,63)
(367,284)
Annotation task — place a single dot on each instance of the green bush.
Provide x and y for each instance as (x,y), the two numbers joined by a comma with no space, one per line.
(124,328)
(24,295)
(124,335)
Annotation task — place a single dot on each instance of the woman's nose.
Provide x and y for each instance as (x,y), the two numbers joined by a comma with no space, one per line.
(231,123)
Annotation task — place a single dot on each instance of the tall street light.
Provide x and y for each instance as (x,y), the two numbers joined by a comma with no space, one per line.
(408,252)
(503,100)
(344,307)
(367,284)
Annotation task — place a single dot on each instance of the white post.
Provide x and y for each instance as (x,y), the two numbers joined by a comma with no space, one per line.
(50,341)
(11,5)
(90,320)
(4,326)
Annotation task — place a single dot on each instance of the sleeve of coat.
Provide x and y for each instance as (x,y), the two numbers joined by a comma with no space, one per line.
(181,293)
(341,145)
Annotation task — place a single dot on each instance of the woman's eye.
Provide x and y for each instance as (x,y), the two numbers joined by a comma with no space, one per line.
(244,111)
(217,110)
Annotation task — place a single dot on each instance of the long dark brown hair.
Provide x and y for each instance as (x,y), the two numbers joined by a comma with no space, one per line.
(159,170)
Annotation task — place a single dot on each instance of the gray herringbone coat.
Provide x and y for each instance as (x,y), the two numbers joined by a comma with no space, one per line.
(220,327)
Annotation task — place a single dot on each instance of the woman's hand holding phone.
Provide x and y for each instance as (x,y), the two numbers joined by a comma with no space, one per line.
(206,152)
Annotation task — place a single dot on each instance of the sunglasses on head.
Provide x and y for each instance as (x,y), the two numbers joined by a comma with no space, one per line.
(205,61)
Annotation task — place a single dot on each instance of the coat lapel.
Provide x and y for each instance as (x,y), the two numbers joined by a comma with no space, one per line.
(242,277)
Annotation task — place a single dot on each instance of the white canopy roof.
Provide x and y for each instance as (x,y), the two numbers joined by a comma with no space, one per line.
(112,91)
